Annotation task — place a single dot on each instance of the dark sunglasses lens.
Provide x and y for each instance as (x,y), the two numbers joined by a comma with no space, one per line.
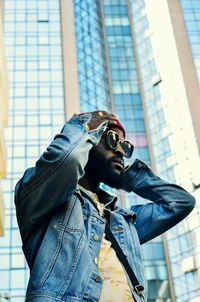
(112,139)
(128,149)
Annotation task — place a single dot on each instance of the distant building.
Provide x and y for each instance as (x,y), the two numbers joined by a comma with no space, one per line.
(3,116)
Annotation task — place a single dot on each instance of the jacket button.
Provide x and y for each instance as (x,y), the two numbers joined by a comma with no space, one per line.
(140,165)
(95,260)
(96,237)
(98,278)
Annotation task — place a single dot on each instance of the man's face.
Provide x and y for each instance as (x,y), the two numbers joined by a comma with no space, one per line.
(105,163)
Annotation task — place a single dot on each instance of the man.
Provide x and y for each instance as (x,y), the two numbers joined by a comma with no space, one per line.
(62,214)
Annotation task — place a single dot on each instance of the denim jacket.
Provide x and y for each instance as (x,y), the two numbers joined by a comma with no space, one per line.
(61,228)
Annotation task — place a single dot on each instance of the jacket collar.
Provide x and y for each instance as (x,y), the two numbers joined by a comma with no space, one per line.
(107,199)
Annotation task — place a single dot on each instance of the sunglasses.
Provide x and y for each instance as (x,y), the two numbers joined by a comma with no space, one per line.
(113,142)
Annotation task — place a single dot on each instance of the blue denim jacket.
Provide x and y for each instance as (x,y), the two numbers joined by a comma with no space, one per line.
(61,228)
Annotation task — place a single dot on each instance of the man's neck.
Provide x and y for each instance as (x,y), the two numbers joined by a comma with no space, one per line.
(88,184)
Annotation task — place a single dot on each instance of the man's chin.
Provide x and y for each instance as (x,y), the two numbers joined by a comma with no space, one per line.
(113,180)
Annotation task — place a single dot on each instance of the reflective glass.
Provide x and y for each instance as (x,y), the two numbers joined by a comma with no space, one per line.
(36,113)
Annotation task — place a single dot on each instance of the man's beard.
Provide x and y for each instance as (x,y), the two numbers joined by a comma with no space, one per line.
(103,170)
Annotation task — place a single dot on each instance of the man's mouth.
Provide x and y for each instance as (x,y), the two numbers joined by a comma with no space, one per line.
(118,162)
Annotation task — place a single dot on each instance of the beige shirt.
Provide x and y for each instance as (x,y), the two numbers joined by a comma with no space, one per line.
(115,284)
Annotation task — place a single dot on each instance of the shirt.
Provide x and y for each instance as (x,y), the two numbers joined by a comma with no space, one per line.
(115,284)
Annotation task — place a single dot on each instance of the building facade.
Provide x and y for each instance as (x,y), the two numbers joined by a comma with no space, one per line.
(169,80)
(32,33)
(3,116)
(137,58)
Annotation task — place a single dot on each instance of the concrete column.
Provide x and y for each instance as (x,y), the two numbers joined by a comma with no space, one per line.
(71,87)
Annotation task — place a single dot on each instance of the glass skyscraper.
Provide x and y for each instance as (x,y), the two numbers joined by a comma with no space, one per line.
(170,92)
(191,14)
(3,116)
(36,111)
(128,105)
(137,58)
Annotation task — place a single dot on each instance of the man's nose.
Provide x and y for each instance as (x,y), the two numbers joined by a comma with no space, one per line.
(120,150)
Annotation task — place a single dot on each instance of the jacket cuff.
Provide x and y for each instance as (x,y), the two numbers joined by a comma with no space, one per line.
(132,174)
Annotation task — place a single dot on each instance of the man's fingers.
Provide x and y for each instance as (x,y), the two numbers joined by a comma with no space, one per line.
(97,117)
(105,115)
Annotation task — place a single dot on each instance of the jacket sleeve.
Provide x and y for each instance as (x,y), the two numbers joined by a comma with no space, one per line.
(169,204)
(55,176)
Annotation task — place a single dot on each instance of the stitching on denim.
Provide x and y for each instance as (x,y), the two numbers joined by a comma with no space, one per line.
(56,253)
(136,177)
(47,173)
(152,221)
(171,203)
(68,279)
(50,295)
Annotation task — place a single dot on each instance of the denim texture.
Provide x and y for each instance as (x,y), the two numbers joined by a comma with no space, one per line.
(61,228)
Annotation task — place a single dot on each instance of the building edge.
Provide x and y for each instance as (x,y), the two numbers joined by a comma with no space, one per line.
(71,86)
(187,64)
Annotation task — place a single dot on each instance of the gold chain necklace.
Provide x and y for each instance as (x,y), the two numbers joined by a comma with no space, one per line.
(100,205)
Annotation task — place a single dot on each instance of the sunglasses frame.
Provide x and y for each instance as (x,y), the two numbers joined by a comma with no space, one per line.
(119,143)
